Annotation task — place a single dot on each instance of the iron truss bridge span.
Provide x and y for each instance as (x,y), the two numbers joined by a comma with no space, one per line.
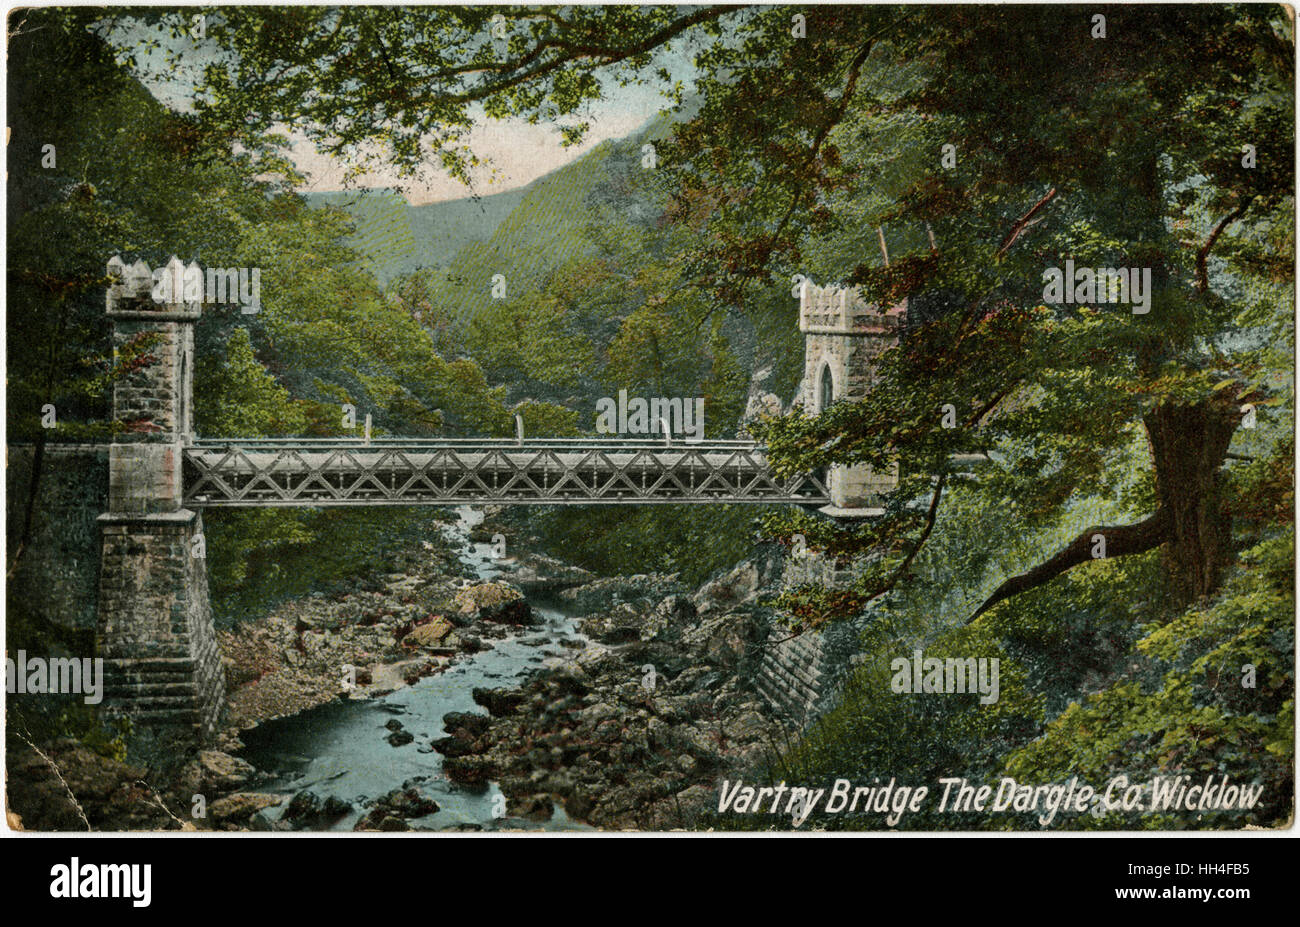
(570,471)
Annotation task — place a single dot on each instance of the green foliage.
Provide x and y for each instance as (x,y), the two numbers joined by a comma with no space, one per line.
(1224,705)
(135,178)
(430,73)
(875,733)
(259,557)
(691,541)
(46,717)
(252,402)
(1101,675)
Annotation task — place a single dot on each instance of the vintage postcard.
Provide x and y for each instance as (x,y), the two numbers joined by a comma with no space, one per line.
(613,418)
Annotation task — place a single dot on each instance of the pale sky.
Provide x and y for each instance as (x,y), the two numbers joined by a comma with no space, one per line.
(515,153)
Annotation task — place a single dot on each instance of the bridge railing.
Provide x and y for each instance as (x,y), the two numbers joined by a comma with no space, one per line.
(569,471)
(530,443)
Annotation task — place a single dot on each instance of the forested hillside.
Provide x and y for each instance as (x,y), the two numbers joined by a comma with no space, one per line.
(433,353)
(394,238)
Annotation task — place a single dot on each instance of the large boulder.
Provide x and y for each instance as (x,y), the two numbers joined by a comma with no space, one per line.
(236,810)
(724,640)
(641,591)
(669,618)
(499,702)
(536,807)
(465,724)
(430,634)
(619,625)
(307,811)
(451,745)
(535,572)
(741,585)
(668,661)
(463,731)
(222,772)
(496,602)
(303,806)
(390,812)
(470,771)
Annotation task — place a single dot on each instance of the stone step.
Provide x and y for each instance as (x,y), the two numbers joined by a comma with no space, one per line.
(800,649)
(808,674)
(807,677)
(805,665)
(185,663)
(160,703)
(775,696)
(790,696)
(160,690)
(187,717)
(784,683)
(159,675)
(787,704)
(790,686)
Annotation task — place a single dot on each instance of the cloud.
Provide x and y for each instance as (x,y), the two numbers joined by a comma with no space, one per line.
(514,153)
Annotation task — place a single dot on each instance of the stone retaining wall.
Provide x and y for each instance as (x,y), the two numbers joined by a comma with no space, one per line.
(801,677)
(58,571)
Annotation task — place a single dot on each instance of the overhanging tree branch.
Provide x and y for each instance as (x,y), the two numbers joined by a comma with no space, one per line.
(846,97)
(898,574)
(930,517)
(1023,222)
(1120,541)
(603,56)
(1202,256)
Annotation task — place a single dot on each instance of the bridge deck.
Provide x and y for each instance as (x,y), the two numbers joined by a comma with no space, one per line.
(570,471)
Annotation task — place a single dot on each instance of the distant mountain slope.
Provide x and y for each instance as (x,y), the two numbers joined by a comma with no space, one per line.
(397,237)
(522,234)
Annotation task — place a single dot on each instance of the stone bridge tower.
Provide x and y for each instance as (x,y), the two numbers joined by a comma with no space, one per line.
(843,339)
(155,629)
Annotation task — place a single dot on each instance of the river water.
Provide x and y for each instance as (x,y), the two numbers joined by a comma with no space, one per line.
(340,749)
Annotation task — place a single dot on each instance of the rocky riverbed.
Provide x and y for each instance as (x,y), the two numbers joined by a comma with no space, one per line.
(624,701)
(633,734)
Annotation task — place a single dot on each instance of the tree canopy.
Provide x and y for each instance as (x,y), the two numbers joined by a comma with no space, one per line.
(1149,138)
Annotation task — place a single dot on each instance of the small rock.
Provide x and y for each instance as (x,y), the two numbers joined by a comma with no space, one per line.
(222,772)
(533,807)
(240,807)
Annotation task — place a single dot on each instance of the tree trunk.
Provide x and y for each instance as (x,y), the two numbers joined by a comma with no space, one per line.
(1189,444)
